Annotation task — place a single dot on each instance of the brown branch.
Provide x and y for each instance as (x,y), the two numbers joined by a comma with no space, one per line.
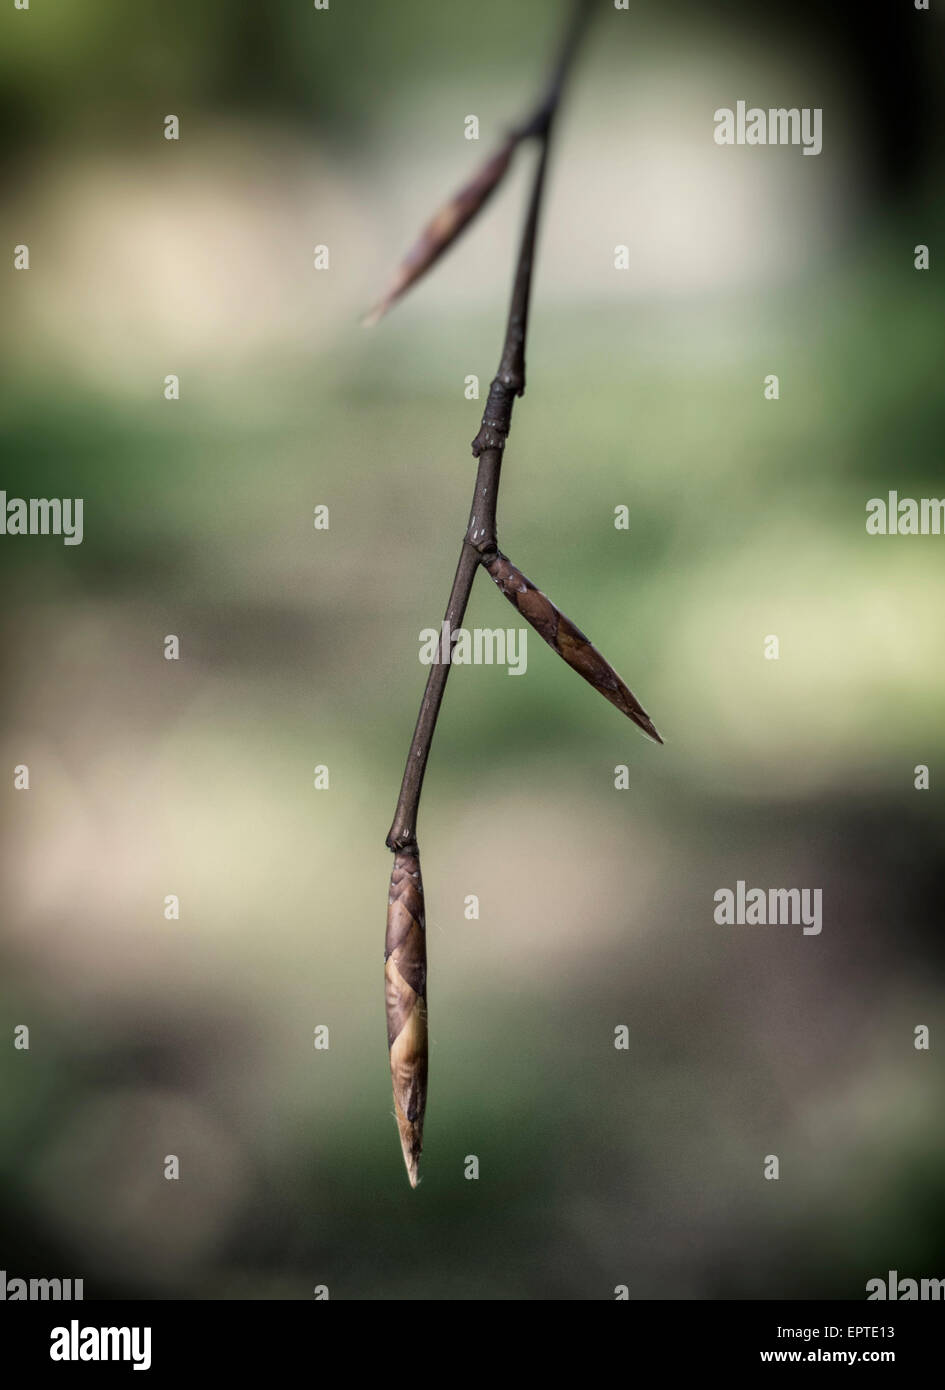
(405,951)
(480,540)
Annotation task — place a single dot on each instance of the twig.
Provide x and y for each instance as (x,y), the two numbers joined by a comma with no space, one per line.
(480,540)
(405,954)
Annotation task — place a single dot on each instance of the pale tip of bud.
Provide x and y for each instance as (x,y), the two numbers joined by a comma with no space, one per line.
(648,727)
(374,316)
(411,1142)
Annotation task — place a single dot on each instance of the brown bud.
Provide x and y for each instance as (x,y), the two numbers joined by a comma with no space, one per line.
(567,640)
(405,972)
(445,227)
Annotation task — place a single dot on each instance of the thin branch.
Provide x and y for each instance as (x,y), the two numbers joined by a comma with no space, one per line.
(403,831)
(405,958)
(480,541)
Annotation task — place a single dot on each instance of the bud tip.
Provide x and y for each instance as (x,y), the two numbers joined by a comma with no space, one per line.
(648,727)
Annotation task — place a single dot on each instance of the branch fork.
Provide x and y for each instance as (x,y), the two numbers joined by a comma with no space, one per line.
(405,947)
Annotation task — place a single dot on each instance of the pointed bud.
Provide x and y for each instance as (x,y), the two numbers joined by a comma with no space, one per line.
(567,640)
(405,974)
(440,233)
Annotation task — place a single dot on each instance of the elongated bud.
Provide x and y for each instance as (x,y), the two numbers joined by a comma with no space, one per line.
(405,974)
(567,640)
(445,227)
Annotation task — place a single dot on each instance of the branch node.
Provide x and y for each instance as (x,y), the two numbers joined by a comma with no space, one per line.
(497,416)
(401,842)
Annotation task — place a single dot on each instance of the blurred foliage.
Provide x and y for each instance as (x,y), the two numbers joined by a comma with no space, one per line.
(747,517)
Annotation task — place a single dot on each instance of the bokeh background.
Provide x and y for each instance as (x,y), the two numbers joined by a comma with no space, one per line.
(299,647)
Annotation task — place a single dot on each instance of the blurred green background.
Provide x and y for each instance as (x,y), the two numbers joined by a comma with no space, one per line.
(299,647)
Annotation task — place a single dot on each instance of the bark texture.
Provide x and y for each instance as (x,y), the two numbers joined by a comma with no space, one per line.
(405,971)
